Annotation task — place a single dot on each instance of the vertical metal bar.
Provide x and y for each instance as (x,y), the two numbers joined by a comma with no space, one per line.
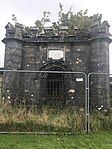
(86,105)
(51,86)
(56,83)
(48,86)
(1,82)
(53,89)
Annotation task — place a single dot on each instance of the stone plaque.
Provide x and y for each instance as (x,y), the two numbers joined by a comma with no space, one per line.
(56,54)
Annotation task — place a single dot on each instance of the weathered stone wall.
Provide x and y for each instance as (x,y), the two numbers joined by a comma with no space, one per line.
(99,63)
(81,53)
(35,57)
(13,60)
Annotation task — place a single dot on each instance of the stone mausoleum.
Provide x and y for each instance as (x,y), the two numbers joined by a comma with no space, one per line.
(29,50)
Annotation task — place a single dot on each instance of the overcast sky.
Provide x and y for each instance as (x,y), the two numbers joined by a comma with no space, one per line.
(27,11)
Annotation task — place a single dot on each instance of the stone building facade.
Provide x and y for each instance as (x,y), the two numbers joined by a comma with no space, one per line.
(32,51)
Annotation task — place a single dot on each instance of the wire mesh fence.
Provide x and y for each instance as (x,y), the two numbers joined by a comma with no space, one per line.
(99,101)
(99,90)
(43,101)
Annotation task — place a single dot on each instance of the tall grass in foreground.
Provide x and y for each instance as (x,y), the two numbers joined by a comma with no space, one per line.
(66,120)
(101,120)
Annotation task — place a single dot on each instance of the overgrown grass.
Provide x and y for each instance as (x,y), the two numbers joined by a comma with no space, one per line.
(68,120)
(101,140)
(101,120)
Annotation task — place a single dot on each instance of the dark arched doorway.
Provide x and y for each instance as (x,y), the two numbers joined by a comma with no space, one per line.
(54,86)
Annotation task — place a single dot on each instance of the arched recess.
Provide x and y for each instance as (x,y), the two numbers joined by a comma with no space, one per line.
(54,87)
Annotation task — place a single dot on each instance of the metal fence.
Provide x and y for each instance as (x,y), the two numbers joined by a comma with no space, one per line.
(99,99)
(51,101)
